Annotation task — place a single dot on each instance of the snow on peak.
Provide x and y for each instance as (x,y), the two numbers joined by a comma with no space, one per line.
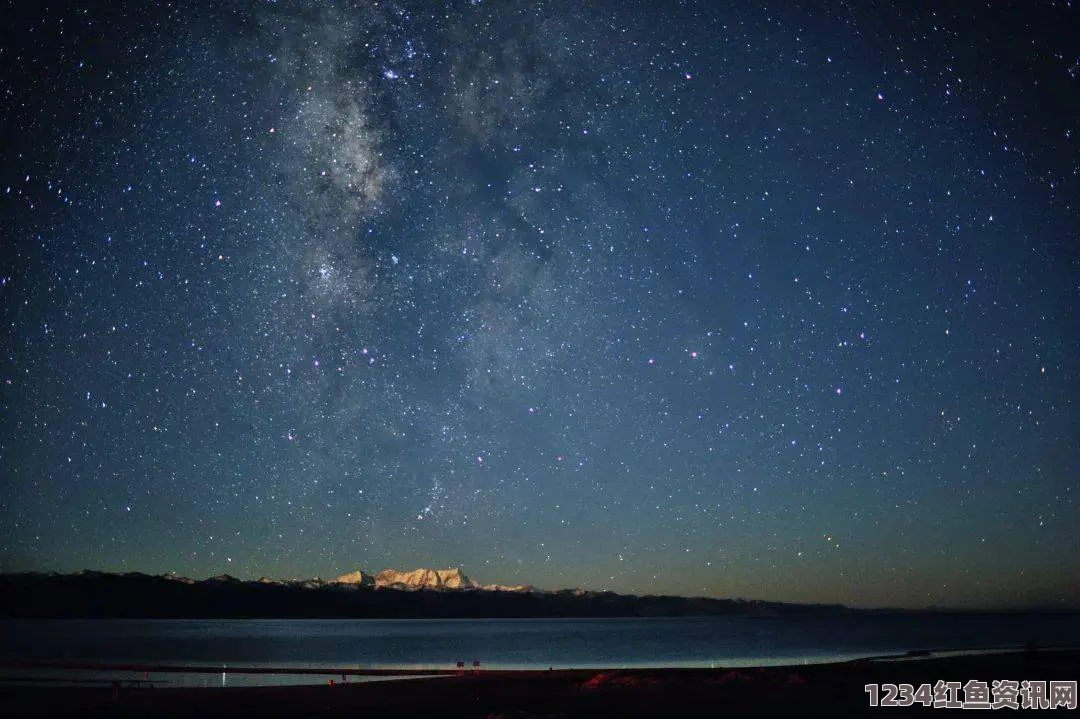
(359,577)
(425,579)
(519,588)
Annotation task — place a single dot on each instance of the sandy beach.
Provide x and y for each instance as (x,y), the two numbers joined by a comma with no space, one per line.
(838,688)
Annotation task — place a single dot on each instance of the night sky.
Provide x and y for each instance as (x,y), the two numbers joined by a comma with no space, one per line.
(775,302)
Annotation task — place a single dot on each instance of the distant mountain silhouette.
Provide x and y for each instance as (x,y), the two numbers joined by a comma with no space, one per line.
(420,594)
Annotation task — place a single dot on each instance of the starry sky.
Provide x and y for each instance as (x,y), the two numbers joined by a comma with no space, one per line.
(762,300)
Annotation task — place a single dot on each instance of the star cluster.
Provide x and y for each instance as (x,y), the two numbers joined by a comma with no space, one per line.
(776,301)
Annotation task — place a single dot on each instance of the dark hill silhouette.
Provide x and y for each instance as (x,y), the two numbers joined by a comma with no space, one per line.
(103,595)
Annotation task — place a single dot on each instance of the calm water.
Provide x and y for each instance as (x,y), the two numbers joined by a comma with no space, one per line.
(521,643)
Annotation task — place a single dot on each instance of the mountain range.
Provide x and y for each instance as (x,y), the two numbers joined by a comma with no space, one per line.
(412,580)
(423,579)
(435,593)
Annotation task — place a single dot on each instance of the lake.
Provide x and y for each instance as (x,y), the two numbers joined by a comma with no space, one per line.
(520,643)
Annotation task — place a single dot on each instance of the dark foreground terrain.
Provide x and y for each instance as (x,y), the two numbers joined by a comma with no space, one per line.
(815,689)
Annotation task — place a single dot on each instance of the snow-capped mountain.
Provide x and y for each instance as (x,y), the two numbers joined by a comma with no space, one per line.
(359,578)
(509,588)
(437,579)
(425,579)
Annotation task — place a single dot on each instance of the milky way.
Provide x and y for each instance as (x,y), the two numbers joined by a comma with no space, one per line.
(774,302)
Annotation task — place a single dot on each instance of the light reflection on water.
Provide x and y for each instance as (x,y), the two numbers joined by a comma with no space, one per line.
(45,677)
(729,641)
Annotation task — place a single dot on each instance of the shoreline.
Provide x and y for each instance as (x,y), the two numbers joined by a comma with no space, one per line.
(548,693)
(158,667)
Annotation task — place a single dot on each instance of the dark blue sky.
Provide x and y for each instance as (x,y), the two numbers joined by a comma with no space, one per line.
(767,301)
